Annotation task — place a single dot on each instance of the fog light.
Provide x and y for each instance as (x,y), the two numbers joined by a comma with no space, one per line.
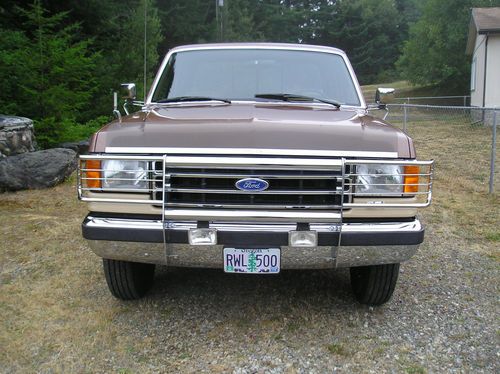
(303,239)
(202,236)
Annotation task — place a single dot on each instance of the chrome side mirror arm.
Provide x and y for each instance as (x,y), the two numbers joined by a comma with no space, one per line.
(116,112)
(125,109)
(128,92)
(371,107)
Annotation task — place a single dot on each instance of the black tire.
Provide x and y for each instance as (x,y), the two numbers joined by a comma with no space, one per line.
(374,285)
(128,280)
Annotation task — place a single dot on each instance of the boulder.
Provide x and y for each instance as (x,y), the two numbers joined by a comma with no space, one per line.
(16,135)
(39,169)
(81,147)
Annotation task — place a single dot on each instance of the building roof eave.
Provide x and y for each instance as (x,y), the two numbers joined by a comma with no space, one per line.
(483,21)
(490,31)
(471,38)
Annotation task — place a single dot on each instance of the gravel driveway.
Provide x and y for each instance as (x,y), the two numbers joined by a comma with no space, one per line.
(441,318)
(58,316)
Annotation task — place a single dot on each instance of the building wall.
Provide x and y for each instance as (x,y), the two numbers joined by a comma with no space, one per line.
(493,72)
(476,95)
(492,98)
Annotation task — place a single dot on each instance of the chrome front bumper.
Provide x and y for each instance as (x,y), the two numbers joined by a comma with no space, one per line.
(345,245)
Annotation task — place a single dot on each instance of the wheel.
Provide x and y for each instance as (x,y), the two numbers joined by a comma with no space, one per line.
(374,285)
(128,280)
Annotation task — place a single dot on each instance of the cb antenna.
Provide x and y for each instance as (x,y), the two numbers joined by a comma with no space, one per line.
(219,19)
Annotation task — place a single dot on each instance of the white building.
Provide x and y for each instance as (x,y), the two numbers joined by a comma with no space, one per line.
(483,45)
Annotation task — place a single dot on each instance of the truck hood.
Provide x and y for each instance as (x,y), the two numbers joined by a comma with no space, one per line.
(258,126)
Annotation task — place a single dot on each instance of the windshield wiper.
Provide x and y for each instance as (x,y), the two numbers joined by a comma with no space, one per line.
(295,98)
(180,99)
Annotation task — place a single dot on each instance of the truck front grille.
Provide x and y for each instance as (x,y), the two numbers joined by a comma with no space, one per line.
(215,187)
(305,189)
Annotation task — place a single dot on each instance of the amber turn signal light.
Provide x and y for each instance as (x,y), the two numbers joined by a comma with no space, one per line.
(411,178)
(93,173)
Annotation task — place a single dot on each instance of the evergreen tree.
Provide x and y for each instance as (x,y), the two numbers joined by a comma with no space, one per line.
(367,30)
(14,47)
(49,72)
(126,58)
(186,22)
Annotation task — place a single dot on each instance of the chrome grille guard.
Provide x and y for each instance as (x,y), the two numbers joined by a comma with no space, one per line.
(98,184)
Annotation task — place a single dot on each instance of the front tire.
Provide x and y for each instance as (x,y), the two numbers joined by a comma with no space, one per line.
(374,285)
(128,280)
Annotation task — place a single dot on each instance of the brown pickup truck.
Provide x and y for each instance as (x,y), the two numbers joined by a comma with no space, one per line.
(254,158)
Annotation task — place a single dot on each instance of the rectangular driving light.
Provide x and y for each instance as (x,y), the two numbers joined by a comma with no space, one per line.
(302,238)
(202,236)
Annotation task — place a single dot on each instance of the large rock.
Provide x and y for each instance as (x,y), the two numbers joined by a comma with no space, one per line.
(16,135)
(81,147)
(40,169)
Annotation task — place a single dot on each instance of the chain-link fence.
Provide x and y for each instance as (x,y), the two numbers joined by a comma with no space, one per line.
(435,100)
(461,139)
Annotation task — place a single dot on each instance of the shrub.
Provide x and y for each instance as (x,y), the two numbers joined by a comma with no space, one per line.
(50,132)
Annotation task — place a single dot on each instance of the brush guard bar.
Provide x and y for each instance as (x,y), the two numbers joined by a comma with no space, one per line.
(157,185)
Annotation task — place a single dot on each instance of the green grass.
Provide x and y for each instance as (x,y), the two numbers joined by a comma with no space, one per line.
(493,236)
(403,89)
(415,369)
(337,349)
(124,371)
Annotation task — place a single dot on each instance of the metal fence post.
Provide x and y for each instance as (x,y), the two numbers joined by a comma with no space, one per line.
(493,151)
(405,117)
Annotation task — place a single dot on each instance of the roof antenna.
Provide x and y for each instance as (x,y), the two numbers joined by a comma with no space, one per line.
(145,41)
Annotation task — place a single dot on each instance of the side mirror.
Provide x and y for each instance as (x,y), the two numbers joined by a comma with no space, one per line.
(384,96)
(128,91)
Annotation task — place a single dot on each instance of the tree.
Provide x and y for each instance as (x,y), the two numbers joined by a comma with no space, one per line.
(186,22)
(53,70)
(240,25)
(435,51)
(14,46)
(367,30)
(126,57)
(47,73)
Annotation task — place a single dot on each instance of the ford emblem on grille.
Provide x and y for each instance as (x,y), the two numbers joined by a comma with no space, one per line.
(252,184)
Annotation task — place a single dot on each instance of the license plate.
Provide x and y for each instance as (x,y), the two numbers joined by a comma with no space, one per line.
(253,261)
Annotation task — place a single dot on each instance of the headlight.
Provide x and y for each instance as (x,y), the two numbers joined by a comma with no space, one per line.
(379,179)
(125,174)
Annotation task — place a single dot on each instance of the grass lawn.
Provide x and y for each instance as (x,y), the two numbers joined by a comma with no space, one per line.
(403,89)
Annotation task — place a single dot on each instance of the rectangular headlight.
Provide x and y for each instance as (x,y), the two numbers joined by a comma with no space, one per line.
(124,174)
(379,179)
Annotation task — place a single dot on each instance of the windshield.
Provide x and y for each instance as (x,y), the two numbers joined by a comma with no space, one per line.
(243,74)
